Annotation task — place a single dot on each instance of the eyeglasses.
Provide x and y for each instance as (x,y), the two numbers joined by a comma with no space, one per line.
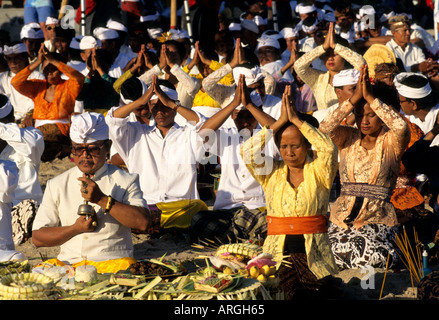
(94,151)
(50,28)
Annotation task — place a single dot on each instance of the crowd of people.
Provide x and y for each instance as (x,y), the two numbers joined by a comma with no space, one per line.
(323,134)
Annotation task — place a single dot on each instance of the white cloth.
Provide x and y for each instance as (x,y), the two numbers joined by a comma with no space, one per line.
(167,166)
(346,77)
(51,20)
(61,200)
(15,49)
(22,104)
(31,31)
(80,66)
(289,33)
(252,75)
(267,42)
(412,54)
(112,24)
(409,92)
(275,69)
(89,42)
(5,109)
(250,25)
(25,147)
(8,183)
(321,114)
(428,123)
(105,33)
(237,186)
(88,127)
(116,69)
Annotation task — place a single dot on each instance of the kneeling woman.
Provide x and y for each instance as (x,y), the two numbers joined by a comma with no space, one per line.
(363,221)
(297,197)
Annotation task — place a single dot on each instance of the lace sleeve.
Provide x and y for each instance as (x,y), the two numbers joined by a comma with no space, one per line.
(355,59)
(331,125)
(219,92)
(303,66)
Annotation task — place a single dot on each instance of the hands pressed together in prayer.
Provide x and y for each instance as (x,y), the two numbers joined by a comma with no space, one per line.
(330,38)
(363,89)
(238,55)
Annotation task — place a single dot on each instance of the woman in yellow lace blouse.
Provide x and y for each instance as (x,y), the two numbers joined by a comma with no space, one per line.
(335,57)
(297,197)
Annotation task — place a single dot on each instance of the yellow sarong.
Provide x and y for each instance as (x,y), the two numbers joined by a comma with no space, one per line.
(178,214)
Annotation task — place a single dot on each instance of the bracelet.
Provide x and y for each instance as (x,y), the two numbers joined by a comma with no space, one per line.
(110,203)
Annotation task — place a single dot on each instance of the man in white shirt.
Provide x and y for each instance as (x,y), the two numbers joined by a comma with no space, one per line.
(418,101)
(109,40)
(8,183)
(165,155)
(410,55)
(101,234)
(24,146)
(239,209)
(17,59)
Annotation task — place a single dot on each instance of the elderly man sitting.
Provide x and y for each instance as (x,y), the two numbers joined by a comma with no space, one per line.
(102,237)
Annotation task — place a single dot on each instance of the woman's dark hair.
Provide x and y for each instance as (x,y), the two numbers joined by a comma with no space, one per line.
(209,52)
(302,116)
(387,94)
(179,45)
(416,82)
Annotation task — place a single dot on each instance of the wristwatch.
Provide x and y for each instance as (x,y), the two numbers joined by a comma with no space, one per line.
(177,104)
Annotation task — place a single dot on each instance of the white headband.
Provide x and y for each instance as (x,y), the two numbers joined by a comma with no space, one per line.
(409,92)
(6,109)
(15,49)
(251,75)
(31,31)
(89,42)
(301,9)
(311,28)
(105,33)
(250,25)
(155,33)
(74,44)
(111,24)
(152,17)
(267,42)
(51,20)
(179,34)
(289,33)
(234,26)
(346,78)
(88,127)
(172,94)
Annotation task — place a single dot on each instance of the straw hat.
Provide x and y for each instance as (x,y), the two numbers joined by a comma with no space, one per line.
(377,54)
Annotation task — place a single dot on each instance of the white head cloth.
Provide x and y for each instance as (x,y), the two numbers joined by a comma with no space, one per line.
(74,44)
(31,31)
(114,25)
(15,49)
(260,21)
(88,127)
(267,42)
(304,9)
(105,33)
(251,75)
(387,16)
(233,26)
(171,93)
(311,28)
(5,109)
(151,17)
(155,33)
(289,33)
(179,34)
(409,92)
(51,20)
(345,78)
(89,42)
(249,25)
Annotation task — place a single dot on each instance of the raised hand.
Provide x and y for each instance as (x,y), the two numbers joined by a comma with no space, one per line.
(330,38)
(367,87)
(245,93)
(238,55)
(358,93)
(163,63)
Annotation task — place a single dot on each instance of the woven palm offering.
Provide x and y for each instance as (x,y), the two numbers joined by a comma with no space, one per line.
(377,54)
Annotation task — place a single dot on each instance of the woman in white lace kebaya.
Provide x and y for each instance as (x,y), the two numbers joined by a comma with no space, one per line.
(335,57)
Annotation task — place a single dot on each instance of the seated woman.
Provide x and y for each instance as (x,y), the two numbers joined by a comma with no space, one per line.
(297,196)
(363,221)
(335,57)
(54,100)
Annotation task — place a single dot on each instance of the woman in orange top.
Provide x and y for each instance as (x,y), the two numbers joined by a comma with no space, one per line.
(54,100)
